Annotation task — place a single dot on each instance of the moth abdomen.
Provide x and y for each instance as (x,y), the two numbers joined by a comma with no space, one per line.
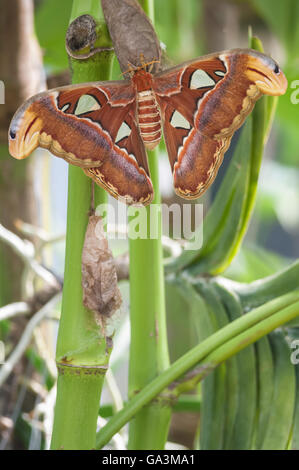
(149,118)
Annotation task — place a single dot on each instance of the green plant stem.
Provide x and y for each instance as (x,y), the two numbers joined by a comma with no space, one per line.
(258,292)
(82,353)
(184,403)
(228,340)
(236,344)
(148,349)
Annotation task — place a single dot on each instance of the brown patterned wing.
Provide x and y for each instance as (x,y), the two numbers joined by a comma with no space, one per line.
(90,125)
(203,103)
(125,174)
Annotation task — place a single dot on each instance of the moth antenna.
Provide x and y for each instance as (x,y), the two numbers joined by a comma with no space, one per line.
(131,69)
(142,61)
(151,64)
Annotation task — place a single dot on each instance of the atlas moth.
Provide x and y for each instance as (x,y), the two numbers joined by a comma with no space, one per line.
(105,127)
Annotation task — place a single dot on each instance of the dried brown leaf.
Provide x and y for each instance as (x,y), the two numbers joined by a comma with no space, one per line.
(132,33)
(99,279)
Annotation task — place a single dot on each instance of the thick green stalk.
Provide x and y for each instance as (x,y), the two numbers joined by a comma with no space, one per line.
(208,354)
(258,292)
(239,342)
(82,352)
(148,350)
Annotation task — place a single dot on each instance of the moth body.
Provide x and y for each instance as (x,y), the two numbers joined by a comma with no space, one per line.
(149,119)
(148,113)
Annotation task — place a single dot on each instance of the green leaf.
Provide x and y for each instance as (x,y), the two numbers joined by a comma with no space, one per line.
(254,262)
(214,387)
(183,330)
(283,401)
